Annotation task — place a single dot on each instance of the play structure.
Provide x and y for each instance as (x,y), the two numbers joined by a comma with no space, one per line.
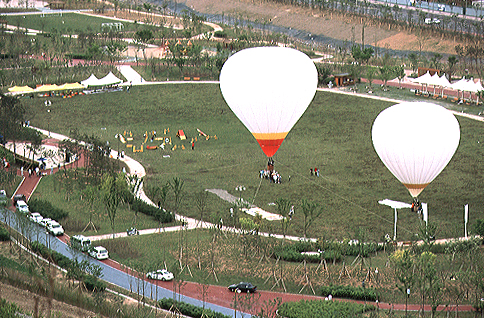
(149,140)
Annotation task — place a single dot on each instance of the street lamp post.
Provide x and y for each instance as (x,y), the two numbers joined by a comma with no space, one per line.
(48,122)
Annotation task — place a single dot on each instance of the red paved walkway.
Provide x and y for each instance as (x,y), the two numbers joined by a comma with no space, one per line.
(219,295)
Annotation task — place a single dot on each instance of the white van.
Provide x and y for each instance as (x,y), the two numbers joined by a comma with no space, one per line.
(22,207)
(80,242)
(54,228)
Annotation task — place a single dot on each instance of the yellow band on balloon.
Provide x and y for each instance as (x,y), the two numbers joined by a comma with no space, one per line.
(270,136)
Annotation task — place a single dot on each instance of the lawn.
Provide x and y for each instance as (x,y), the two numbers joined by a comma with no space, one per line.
(68,23)
(334,135)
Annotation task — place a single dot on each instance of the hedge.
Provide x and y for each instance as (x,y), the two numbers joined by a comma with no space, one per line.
(47,209)
(90,281)
(189,310)
(145,208)
(350,292)
(322,309)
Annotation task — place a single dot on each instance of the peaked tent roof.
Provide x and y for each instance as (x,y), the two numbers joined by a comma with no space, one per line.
(47,88)
(424,79)
(71,86)
(109,79)
(461,85)
(92,80)
(16,89)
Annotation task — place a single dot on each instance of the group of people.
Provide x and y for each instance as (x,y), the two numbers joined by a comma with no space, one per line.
(272,175)
(314,172)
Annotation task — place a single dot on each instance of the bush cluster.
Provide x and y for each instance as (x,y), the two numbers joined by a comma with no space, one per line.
(350,292)
(8,310)
(330,250)
(145,208)
(189,310)
(4,235)
(91,282)
(322,309)
(292,253)
(47,209)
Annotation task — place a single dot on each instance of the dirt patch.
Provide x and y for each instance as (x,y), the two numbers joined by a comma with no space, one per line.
(25,300)
(318,23)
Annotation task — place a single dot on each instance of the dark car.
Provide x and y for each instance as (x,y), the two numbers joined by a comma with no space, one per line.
(243,287)
(18,197)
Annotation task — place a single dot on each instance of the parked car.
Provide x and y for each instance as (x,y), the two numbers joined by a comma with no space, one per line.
(44,221)
(19,197)
(99,252)
(54,228)
(243,287)
(35,217)
(22,207)
(3,198)
(80,242)
(161,274)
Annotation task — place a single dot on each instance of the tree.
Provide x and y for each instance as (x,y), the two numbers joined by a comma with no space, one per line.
(435,59)
(201,199)
(413,57)
(113,190)
(404,272)
(452,62)
(177,186)
(361,55)
(311,211)
(400,73)
(284,208)
(386,74)
(12,115)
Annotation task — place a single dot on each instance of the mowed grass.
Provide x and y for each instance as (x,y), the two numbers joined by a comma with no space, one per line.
(68,23)
(333,135)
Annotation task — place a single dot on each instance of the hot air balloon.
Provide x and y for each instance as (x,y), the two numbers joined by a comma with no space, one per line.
(268,89)
(415,141)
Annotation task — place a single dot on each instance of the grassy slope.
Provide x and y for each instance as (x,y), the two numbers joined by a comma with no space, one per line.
(333,135)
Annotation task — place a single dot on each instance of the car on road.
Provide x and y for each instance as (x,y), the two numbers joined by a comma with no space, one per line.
(80,242)
(99,252)
(3,198)
(19,197)
(35,217)
(54,228)
(22,207)
(44,221)
(243,287)
(161,274)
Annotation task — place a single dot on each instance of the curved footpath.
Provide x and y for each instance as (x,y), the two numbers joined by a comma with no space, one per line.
(217,298)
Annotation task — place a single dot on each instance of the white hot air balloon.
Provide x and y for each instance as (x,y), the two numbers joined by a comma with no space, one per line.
(268,89)
(415,141)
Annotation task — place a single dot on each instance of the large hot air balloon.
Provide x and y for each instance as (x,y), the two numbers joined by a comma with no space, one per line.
(415,141)
(268,89)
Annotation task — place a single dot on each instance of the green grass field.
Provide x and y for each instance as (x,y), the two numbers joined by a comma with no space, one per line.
(334,135)
(68,23)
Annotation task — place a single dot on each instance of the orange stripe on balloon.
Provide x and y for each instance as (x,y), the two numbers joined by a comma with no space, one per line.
(415,189)
(270,146)
(270,136)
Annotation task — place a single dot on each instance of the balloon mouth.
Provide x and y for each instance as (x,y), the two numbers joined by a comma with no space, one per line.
(270,142)
(415,189)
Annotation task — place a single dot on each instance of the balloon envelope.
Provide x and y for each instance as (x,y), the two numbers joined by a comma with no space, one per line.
(268,89)
(415,141)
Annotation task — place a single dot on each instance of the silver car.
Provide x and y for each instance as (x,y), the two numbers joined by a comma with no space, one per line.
(99,252)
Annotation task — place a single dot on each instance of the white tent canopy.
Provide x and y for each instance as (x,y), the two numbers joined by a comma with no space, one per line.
(92,80)
(109,79)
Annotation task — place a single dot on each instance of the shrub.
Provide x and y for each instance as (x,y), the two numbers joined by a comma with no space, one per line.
(4,235)
(350,292)
(145,208)
(479,227)
(8,310)
(93,284)
(322,309)
(220,34)
(189,310)
(47,210)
